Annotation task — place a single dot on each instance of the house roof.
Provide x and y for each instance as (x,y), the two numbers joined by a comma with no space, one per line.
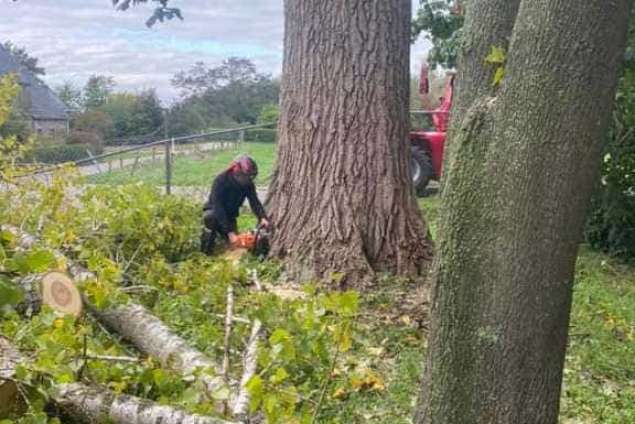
(42,102)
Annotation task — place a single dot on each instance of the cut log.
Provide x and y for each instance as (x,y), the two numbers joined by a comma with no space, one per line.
(10,401)
(146,332)
(54,289)
(152,337)
(241,402)
(90,405)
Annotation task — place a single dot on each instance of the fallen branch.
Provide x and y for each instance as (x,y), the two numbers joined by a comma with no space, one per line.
(139,327)
(241,402)
(250,361)
(228,330)
(152,337)
(89,404)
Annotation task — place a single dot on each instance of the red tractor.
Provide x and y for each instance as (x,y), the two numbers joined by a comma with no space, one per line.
(426,160)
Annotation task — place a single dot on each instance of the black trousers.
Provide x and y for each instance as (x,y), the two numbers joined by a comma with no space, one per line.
(212,229)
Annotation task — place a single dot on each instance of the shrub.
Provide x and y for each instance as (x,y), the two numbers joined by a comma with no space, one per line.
(60,153)
(611,227)
(262,135)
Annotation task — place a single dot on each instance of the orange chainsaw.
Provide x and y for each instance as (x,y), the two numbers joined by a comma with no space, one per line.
(256,241)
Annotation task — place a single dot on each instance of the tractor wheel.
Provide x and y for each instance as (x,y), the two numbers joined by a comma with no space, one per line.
(422,171)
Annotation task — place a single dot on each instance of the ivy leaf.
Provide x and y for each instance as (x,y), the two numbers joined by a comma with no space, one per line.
(496,56)
(498,76)
(9,294)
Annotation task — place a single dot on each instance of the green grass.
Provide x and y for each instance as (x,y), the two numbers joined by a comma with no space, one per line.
(192,171)
(599,382)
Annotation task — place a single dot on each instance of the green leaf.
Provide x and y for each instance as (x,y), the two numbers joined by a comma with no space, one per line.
(9,293)
(280,375)
(255,389)
(496,56)
(498,76)
(33,262)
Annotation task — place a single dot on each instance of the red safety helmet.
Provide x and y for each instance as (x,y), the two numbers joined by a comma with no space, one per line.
(245,165)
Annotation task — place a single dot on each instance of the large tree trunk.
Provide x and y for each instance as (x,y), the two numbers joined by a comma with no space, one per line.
(342,200)
(522,164)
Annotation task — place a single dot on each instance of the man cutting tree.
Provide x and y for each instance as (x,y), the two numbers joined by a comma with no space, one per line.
(229,190)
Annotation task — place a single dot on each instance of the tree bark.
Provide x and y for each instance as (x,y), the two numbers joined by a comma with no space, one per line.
(10,358)
(89,404)
(342,200)
(138,326)
(517,185)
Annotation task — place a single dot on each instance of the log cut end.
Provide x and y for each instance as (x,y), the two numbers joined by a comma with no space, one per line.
(60,293)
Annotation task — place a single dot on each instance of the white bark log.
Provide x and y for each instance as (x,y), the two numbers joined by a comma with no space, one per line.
(152,337)
(241,402)
(9,359)
(89,404)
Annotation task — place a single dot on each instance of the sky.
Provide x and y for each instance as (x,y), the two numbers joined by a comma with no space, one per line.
(74,39)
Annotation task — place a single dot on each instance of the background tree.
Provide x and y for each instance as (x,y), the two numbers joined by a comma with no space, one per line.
(24,59)
(342,200)
(442,22)
(97,90)
(518,180)
(226,95)
(70,94)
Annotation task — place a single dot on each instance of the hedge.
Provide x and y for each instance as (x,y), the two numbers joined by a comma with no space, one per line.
(263,135)
(59,153)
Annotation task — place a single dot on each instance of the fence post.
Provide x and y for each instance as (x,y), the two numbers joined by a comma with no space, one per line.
(241,137)
(109,165)
(154,154)
(120,162)
(168,166)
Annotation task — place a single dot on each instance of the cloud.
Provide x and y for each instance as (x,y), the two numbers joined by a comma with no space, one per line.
(85,37)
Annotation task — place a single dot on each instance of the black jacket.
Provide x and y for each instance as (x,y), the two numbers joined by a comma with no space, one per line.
(226,197)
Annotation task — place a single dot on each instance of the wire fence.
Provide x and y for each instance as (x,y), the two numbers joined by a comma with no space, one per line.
(160,162)
(156,159)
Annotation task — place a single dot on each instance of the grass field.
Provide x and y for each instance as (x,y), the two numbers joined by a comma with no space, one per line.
(193,171)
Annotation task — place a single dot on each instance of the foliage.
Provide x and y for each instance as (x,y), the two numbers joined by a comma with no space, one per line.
(232,93)
(133,114)
(12,148)
(23,58)
(97,90)
(94,121)
(161,13)
(59,153)
(497,58)
(269,113)
(442,22)
(70,94)
(611,226)
(262,135)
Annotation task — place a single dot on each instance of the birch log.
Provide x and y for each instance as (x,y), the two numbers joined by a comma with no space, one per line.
(54,289)
(152,337)
(9,396)
(139,327)
(90,405)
